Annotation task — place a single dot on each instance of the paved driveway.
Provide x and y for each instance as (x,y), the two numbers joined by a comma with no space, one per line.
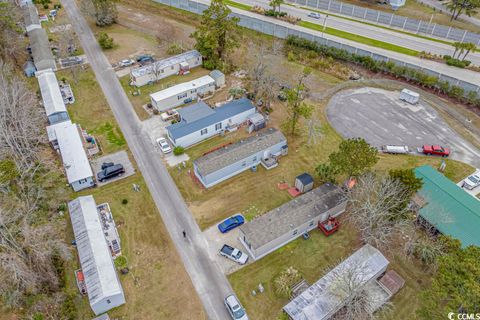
(473,192)
(216,240)
(120,157)
(380,118)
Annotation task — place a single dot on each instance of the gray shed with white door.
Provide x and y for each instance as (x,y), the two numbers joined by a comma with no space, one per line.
(304,182)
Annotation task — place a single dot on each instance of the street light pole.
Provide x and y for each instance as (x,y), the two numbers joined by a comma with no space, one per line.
(324,24)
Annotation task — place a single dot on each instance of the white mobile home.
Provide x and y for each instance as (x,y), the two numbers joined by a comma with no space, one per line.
(41,51)
(103,286)
(182,93)
(176,65)
(199,122)
(51,134)
(281,225)
(75,161)
(263,148)
(52,97)
(329,294)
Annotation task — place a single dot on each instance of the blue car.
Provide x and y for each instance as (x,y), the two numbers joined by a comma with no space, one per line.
(231,223)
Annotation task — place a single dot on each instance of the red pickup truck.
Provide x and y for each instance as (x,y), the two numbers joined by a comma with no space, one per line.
(435,150)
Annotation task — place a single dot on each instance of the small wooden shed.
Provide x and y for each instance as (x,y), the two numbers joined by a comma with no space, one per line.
(304,182)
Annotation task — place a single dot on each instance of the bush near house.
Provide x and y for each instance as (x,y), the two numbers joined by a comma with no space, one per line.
(415,76)
(178,150)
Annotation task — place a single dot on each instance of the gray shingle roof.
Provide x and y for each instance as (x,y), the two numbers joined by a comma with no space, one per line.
(242,149)
(228,110)
(41,52)
(195,112)
(292,214)
(30,15)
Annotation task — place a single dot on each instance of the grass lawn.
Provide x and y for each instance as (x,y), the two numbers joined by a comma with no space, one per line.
(91,109)
(156,285)
(311,257)
(145,91)
(359,39)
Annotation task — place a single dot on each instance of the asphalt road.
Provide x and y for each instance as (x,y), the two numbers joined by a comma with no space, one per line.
(207,278)
(372,32)
(381,118)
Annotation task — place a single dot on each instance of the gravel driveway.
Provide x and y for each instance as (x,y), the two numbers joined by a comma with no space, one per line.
(380,118)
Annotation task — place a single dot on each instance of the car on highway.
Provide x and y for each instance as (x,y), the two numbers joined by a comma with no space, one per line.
(435,150)
(314,15)
(472,181)
(231,223)
(235,309)
(110,172)
(233,254)
(164,146)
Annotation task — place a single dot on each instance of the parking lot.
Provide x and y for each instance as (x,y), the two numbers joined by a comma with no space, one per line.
(155,128)
(120,157)
(381,118)
(216,240)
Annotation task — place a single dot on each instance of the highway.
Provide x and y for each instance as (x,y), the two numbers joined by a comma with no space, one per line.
(207,278)
(369,31)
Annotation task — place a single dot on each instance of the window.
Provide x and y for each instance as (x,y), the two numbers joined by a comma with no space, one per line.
(183,95)
(161,71)
(203,131)
(244,163)
(108,301)
(295,232)
(311,223)
(218,126)
(172,67)
(254,159)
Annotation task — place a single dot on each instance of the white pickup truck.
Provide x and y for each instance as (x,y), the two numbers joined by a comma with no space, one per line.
(233,254)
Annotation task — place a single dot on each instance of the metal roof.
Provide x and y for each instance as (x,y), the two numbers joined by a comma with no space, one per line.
(51,95)
(216,74)
(95,258)
(240,150)
(256,118)
(291,215)
(162,64)
(227,111)
(41,52)
(52,136)
(30,17)
(195,112)
(181,88)
(305,178)
(450,209)
(326,296)
(73,154)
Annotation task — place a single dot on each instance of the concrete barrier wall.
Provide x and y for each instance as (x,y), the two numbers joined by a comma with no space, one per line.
(392,20)
(283,32)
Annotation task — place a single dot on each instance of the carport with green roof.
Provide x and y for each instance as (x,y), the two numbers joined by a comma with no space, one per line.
(448,208)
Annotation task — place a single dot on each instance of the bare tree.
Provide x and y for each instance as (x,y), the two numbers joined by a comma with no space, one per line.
(376,209)
(263,82)
(66,43)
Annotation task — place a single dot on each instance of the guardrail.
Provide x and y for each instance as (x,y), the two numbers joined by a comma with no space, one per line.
(281,31)
(392,20)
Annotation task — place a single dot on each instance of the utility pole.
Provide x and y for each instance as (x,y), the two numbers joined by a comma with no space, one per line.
(324,24)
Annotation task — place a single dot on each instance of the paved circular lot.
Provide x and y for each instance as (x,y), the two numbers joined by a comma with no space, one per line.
(380,117)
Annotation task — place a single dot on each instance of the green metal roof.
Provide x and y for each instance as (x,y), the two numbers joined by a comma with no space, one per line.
(450,209)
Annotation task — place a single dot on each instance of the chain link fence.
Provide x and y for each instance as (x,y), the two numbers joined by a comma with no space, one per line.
(392,20)
(283,32)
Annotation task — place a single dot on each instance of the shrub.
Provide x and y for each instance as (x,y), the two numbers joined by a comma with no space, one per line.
(124,201)
(178,150)
(121,262)
(175,49)
(105,41)
(283,282)
(326,173)
(69,309)
(456,62)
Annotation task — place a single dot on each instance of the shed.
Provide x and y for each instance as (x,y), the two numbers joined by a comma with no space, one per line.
(242,155)
(199,122)
(449,208)
(409,96)
(41,51)
(328,295)
(52,97)
(75,161)
(103,286)
(29,69)
(304,182)
(182,93)
(281,225)
(219,78)
(256,122)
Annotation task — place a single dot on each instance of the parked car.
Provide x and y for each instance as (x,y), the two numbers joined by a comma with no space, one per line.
(105,165)
(164,146)
(472,181)
(110,172)
(231,223)
(435,150)
(143,57)
(395,149)
(233,254)
(235,309)
(314,15)
(126,63)
(170,115)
